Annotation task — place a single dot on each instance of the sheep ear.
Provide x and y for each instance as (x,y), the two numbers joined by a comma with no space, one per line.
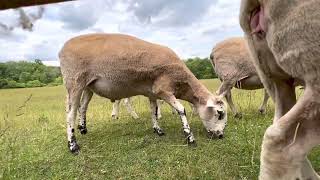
(221,95)
(210,103)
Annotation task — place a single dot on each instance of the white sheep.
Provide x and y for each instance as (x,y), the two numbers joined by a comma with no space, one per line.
(127,103)
(284,41)
(117,66)
(233,65)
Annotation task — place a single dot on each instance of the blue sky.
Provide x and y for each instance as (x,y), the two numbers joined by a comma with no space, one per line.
(189,27)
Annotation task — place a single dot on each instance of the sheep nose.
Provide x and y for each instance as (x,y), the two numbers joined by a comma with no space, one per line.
(221,114)
(215,134)
(219,134)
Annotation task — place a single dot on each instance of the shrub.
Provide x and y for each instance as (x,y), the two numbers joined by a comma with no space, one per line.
(3,83)
(34,83)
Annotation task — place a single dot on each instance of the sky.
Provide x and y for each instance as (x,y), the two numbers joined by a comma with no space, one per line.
(190,27)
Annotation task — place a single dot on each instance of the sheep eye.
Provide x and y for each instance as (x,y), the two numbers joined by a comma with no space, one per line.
(219,102)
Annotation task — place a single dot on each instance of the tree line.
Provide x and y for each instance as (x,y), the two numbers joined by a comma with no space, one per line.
(22,74)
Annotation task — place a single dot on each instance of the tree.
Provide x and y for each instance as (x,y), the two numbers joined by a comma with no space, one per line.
(201,68)
(3,83)
(38,61)
(24,77)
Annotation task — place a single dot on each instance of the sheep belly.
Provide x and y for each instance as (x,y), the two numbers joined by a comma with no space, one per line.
(115,90)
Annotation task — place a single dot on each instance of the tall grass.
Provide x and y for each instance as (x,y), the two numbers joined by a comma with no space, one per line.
(33,141)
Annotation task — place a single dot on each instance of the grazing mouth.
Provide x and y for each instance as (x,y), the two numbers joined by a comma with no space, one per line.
(258,21)
(213,135)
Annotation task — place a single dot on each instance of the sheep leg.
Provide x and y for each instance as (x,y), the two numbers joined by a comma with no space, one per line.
(154,116)
(277,88)
(287,142)
(159,109)
(127,103)
(182,113)
(163,90)
(225,88)
(193,109)
(85,100)
(307,170)
(115,109)
(232,106)
(262,108)
(173,110)
(284,97)
(73,102)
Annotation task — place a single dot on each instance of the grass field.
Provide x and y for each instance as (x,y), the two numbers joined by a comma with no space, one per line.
(33,141)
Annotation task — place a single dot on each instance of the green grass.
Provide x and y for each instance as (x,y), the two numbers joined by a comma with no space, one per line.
(33,141)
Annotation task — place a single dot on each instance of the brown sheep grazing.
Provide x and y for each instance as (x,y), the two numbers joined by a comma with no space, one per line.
(284,41)
(233,65)
(117,66)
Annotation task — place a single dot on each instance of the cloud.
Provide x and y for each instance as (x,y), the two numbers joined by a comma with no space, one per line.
(168,13)
(190,28)
(81,15)
(44,50)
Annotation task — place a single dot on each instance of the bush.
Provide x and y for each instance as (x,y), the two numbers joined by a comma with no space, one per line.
(3,83)
(35,83)
(58,81)
(20,85)
(12,84)
(201,68)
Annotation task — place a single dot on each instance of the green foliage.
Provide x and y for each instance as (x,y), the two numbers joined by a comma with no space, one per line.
(34,83)
(28,74)
(201,68)
(3,83)
(57,81)
(14,84)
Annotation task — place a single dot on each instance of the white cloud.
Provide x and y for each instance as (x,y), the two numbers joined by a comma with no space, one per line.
(190,28)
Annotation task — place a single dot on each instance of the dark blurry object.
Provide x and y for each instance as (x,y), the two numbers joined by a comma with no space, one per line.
(8,4)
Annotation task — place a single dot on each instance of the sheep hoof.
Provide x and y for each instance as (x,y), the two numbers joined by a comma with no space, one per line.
(82,129)
(262,111)
(159,131)
(74,147)
(238,115)
(190,139)
(192,143)
(114,117)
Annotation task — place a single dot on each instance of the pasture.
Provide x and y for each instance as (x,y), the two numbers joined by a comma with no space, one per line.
(33,142)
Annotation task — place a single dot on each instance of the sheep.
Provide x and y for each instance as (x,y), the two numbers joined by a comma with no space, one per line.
(127,102)
(117,66)
(283,37)
(231,62)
